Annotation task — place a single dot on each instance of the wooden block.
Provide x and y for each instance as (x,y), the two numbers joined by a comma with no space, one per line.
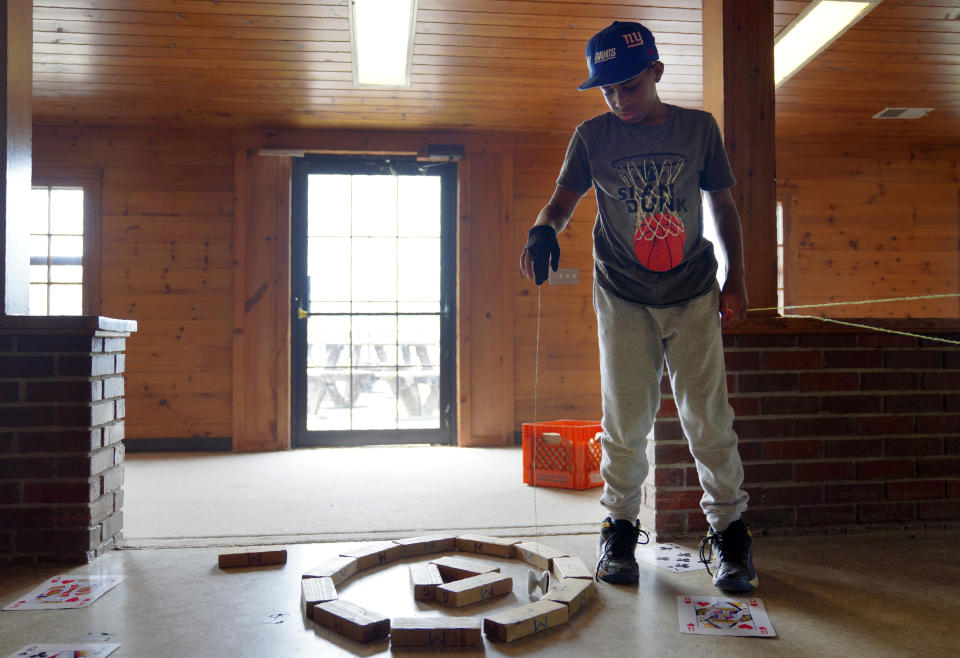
(375,554)
(253,556)
(572,592)
(474,589)
(436,632)
(456,568)
(571,567)
(525,620)
(535,553)
(486,545)
(414,546)
(338,569)
(316,591)
(425,579)
(352,621)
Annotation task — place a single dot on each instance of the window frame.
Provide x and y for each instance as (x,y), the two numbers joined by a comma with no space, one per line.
(788,266)
(360,164)
(91,181)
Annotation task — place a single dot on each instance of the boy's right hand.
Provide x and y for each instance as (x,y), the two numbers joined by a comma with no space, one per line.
(541,251)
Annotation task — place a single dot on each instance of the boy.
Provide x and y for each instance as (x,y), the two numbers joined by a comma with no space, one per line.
(655,293)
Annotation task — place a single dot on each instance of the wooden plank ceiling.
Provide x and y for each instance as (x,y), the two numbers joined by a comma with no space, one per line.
(478,64)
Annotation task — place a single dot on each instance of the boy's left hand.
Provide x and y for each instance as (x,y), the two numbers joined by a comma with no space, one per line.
(733,303)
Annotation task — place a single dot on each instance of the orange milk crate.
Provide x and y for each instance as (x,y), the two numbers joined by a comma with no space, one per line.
(570,461)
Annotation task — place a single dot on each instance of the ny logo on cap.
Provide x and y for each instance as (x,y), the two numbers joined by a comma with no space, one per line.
(633,39)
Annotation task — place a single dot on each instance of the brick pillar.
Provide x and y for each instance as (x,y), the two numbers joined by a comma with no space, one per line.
(61,431)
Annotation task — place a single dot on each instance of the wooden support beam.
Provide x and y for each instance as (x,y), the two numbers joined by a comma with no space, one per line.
(738,89)
(16,71)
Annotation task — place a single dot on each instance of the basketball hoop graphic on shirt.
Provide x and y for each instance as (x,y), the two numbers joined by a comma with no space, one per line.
(648,193)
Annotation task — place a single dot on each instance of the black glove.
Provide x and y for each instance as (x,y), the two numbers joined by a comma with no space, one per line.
(544,248)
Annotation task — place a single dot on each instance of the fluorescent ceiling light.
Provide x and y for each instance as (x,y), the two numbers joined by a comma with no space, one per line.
(382,33)
(812,31)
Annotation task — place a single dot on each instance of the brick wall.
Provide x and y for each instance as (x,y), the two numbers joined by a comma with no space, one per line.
(61,431)
(836,430)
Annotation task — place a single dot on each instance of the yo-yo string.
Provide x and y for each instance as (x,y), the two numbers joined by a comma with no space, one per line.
(533,466)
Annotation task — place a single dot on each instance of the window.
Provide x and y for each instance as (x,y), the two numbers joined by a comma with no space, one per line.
(710,233)
(780,294)
(64,244)
(56,251)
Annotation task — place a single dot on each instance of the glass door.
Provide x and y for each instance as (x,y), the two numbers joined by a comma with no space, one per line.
(373,290)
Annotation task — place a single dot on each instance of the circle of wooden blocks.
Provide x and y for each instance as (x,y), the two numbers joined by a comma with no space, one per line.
(338,569)
(484,587)
(351,620)
(425,579)
(571,567)
(375,555)
(436,632)
(525,620)
(254,556)
(450,581)
(572,592)
(456,568)
(315,591)
(535,553)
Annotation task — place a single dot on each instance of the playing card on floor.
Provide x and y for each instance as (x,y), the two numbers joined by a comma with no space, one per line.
(86,650)
(717,615)
(66,592)
(670,557)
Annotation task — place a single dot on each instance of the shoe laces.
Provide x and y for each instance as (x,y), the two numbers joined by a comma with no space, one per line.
(727,544)
(622,541)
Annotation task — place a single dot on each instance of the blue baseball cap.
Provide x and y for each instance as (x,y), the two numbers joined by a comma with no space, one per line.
(619,52)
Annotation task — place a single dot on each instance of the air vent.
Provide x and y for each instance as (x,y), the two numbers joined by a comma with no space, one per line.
(903,112)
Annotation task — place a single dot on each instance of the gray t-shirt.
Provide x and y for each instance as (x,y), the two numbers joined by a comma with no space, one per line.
(648,242)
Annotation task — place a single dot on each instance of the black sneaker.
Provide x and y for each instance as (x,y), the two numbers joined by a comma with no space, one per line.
(616,562)
(734,552)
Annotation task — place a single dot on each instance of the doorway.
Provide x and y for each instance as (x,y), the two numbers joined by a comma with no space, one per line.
(373,284)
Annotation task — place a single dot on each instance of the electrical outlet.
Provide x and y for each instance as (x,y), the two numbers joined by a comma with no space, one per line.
(565,276)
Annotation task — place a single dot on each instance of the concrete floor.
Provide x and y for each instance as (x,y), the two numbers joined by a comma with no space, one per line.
(840,595)
(341,494)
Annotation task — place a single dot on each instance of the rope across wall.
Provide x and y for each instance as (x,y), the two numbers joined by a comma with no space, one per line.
(859,325)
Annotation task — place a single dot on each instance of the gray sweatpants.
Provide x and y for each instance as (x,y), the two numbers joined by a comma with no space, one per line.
(634,341)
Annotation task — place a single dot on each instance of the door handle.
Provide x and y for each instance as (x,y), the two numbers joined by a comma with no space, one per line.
(301,314)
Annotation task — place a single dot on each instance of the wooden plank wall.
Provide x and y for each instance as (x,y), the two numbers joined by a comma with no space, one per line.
(167,263)
(865,220)
(169,200)
(168,212)
(261,302)
(871,219)
(485,321)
